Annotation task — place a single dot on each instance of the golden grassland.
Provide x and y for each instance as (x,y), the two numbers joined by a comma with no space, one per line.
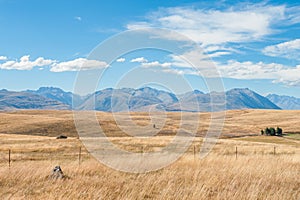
(237,122)
(265,167)
(256,172)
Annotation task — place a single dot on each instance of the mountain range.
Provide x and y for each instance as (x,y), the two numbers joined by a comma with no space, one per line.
(25,100)
(285,102)
(143,99)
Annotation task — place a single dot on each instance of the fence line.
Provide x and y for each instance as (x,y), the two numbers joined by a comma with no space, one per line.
(11,155)
(9,151)
(79,156)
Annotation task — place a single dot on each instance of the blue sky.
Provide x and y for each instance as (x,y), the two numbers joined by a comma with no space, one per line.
(252,44)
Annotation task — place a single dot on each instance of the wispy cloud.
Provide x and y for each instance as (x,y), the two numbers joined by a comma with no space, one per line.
(25,63)
(289,76)
(211,27)
(120,60)
(139,60)
(222,32)
(194,58)
(3,58)
(247,70)
(156,64)
(214,26)
(195,62)
(251,70)
(289,49)
(190,62)
(77,65)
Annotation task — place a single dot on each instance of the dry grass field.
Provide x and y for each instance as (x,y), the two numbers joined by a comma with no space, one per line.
(255,172)
(237,122)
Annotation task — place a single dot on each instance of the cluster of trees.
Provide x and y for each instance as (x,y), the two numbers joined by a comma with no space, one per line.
(272,131)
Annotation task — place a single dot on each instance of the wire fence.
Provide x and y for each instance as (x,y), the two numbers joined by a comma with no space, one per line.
(12,156)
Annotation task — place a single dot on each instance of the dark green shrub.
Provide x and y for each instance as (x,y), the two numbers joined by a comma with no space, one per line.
(267,131)
(272,131)
(279,131)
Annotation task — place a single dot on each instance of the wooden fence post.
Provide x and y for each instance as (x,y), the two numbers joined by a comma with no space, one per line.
(274,150)
(9,160)
(79,156)
(194,153)
(236,152)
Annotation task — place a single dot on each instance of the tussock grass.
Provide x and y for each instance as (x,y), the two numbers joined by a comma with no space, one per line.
(256,173)
(215,177)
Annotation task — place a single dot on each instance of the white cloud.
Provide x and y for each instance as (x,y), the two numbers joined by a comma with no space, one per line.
(289,76)
(139,60)
(181,71)
(175,71)
(156,64)
(219,53)
(78,18)
(25,63)
(77,65)
(74,65)
(191,62)
(219,48)
(120,60)
(290,49)
(3,58)
(187,59)
(294,16)
(237,70)
(250,70)
(237,24)
(195,58)
(222,32)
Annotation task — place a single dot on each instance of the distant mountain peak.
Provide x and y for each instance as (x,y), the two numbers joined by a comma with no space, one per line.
(246,98)
(56,94)
(240,90)
(150,89)
(146,88)
(45,88)
(198,92)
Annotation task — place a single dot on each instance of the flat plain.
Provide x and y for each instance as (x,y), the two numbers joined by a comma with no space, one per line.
(242,165)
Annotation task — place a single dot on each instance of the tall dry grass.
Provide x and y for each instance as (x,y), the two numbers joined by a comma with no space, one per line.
(256,173)
(215,177)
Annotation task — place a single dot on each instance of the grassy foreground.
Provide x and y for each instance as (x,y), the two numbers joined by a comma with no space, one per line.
(256,173)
